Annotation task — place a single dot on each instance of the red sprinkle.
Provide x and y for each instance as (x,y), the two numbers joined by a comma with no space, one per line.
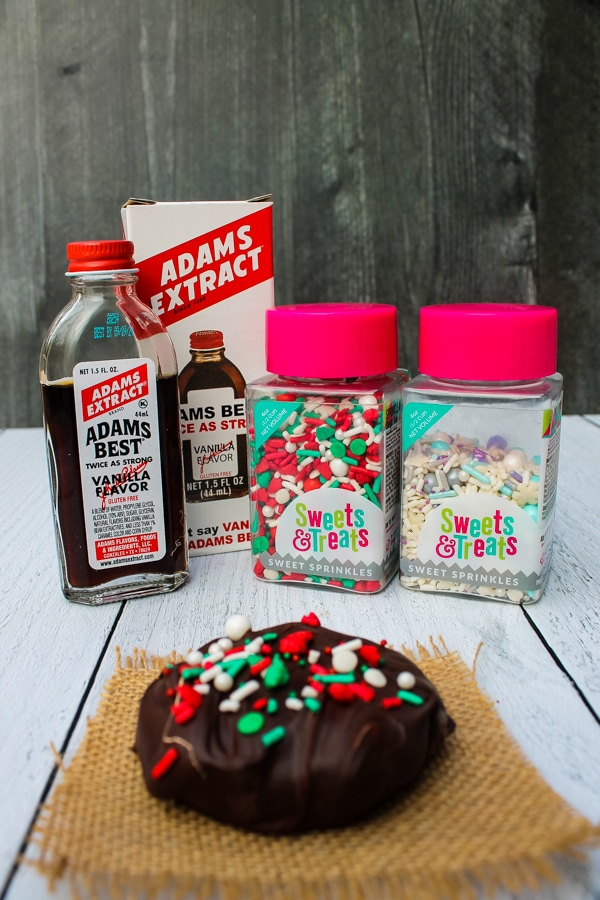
(190,696)
(363,691)
(389,702)
(343,693)
(183,712)
(369,654)
(165,763)
(264,663)
(311,619)
(297,642)
(260,703)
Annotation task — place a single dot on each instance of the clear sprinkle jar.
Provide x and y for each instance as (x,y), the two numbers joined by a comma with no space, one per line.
(480,442)
(324,439)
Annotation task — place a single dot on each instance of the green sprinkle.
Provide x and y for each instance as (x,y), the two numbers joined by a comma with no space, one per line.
(260,544)
(234,667)
(187,674)
(324,432)
(334,484)
(331,422)
(271,636)
(377,484)
(349,460)
(293,694)
(358,408)
(347,582)
(287,655)
(302,662)
(358,446)
(276,675)
(442,495)
(322,479)
(255,523)
(272,705)
(377,429)
(411,698)
(254,658)
(344,678)
(314,453)
(250,723)
(506,491)
(311,415)
(337,449)
(372,497)
(273,736)
(264,478)
(312,704)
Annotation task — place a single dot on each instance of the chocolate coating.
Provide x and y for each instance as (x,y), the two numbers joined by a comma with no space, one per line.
(331,768)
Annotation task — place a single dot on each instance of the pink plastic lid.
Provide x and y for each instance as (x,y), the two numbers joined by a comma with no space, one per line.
(332,340)
(488,341)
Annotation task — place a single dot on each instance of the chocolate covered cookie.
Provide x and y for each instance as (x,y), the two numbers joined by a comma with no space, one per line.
(288,729)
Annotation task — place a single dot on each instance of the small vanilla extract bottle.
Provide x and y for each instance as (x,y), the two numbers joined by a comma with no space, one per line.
(213,422)
(108,375)
(324,433)
(480,439)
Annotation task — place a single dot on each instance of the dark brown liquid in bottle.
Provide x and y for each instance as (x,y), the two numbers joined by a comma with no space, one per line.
(61,426)
(207,371)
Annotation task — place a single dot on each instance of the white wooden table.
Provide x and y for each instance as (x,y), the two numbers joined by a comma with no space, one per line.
(541,664)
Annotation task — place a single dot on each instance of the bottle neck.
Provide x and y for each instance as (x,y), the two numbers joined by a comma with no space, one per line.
(210,355)
(82,280)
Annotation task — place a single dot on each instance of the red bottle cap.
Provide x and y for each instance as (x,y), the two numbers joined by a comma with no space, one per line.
(206,340)
(100,256)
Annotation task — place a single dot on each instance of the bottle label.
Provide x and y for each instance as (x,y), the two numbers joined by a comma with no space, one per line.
(119,453)
(211,422)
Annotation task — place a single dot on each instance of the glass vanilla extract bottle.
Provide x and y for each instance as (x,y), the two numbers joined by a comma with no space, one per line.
(213,422)
(108,375)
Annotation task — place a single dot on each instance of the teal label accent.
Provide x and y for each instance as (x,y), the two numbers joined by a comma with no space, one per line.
(269,416)
(418,418)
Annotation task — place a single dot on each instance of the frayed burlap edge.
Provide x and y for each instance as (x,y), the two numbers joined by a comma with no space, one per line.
(58,855)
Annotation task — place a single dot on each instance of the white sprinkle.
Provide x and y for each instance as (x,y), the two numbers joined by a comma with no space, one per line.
(202,688)
(406,680)
(209,674)
(254,645)
(237,626)
(214,657)
(313,656)
(354,644)
(229,705)
(223,681)
(344,661)
(282,495)
(225,643)
(194,658)
(309,691)
(245,690)
(375,678)
(294,703)
(271,575)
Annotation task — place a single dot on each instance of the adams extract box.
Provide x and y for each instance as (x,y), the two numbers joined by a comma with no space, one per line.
(206,269)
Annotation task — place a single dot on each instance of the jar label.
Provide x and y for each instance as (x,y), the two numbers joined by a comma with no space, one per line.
(479,486)
(333,534)
(211,421)
(119,454)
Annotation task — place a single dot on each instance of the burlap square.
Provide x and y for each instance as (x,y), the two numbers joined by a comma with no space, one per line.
(480,817)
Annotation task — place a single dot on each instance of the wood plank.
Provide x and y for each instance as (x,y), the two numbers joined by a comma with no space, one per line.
(568,614)
(568,188)
(49,646)
(22,248)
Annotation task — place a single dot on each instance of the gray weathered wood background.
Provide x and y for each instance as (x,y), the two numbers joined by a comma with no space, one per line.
(418,151)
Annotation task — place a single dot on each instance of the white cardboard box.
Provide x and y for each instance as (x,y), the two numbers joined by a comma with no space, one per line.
(208,266)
